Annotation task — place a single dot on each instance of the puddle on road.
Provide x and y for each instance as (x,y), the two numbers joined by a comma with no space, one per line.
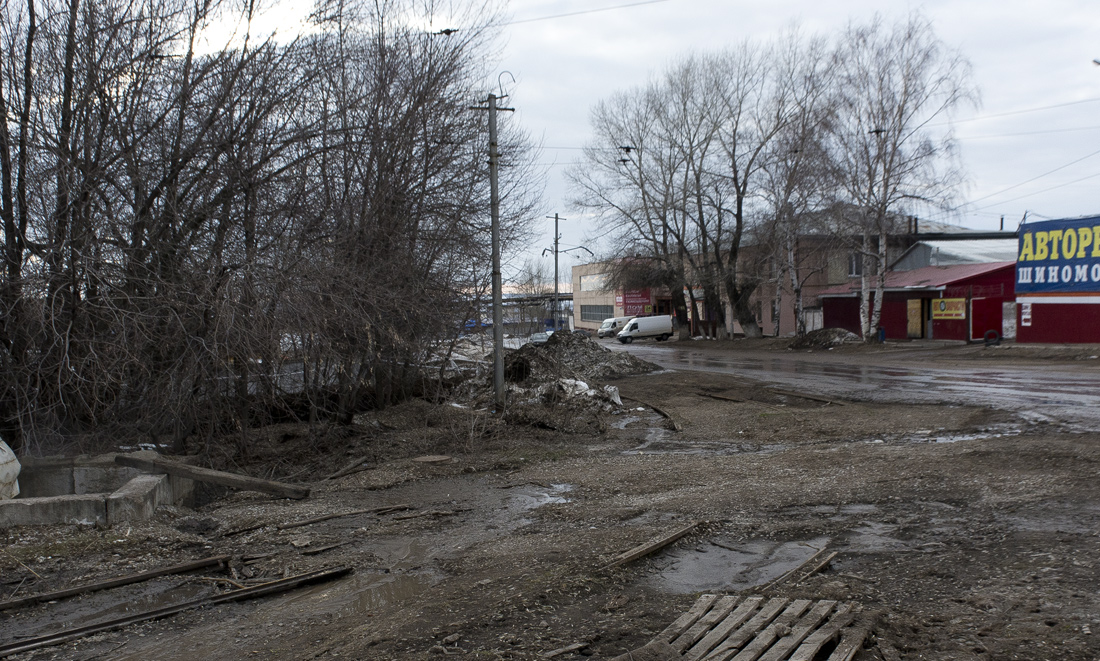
(873,537)
(361,594)
(529,497)
(940,436)
(711,448)
(659,440)
(722,565)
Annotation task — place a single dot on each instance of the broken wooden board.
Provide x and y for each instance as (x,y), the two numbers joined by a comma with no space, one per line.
(158,465)
(645,549)
(802,395)
(220,562)
(656,650)
(253,592)
(732,628)
(676,426)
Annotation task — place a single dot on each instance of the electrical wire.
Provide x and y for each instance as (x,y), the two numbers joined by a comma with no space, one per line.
(584,11)
(1045,190)
(1016,135)
(1018,112)
(1023,183)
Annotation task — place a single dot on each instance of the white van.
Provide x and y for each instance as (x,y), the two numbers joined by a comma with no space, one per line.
(659,327)
(611,326)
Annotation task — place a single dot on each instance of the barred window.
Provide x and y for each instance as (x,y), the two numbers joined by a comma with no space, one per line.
(597,312)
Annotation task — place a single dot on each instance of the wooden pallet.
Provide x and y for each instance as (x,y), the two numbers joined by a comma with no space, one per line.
(733,628)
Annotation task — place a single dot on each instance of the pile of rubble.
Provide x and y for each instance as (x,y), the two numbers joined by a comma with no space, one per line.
(572,356)
(824,338)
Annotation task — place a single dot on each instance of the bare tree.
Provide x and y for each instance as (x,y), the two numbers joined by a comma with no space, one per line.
(201,240)
(797,175)
(892,83)
(630,181)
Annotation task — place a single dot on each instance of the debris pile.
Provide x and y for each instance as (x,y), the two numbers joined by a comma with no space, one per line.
(574,356)
(824,338)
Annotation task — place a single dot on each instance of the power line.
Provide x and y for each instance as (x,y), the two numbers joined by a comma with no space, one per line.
(1016,135)
(584,11)
(1022,183)
(1045,190)
(1018,112)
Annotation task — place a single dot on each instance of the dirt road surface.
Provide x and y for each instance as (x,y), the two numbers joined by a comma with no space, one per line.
(971,529)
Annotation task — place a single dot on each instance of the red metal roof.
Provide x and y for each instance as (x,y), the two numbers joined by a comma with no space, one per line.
(929,277)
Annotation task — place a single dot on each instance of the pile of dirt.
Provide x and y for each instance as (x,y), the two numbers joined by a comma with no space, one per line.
(824,338)
(571,356)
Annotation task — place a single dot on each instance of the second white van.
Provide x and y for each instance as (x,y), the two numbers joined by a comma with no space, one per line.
(659,327)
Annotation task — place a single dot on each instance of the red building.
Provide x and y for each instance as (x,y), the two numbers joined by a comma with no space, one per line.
(958,302)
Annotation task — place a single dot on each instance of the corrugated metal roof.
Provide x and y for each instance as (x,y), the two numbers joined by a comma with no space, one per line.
(929,277)
(975,250)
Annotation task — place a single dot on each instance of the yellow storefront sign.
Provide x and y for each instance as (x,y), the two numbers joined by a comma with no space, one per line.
(949,308)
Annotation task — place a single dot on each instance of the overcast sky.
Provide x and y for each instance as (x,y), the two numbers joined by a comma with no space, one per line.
(1033,145)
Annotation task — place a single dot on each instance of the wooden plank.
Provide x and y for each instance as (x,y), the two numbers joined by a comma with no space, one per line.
(745,401)
(816,568)
(354,467)
(684,622)
(780,626)
(802,395)
(722,631)
(809,648)
(322,549)
(655,650)
(236,595)
(717,613)
(789,642)
(851,640)
(729,647)
(317,519)
(162,465)
(808,561)
(221,562)
(721,397)
(676,426)
(649,547)
(564,650)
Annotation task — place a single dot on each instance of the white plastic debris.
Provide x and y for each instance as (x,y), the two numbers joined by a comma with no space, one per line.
(9,473)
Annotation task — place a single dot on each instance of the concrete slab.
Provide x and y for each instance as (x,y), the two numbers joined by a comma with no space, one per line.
(88,509)
(139,498)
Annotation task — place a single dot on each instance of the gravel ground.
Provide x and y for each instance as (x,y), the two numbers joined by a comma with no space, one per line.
(970,530)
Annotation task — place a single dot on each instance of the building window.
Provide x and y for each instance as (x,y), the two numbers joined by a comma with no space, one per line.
(595,282)
(597,312)
(855,265)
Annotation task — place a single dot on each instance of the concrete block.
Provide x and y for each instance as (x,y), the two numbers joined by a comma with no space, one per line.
(100,478)
(40,479)
(138,499)
(87,509)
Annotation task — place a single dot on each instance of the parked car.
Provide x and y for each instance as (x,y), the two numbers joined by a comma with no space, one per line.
(611,326)
(658,327)
(539,338)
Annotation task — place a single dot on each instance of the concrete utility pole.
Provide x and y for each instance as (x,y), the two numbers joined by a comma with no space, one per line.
(498,287)
(557,296)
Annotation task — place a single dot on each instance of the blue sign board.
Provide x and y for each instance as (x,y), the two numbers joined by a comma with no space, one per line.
(1059,257)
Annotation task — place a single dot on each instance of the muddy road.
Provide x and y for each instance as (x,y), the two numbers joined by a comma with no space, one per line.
(970,528)
(1065,393)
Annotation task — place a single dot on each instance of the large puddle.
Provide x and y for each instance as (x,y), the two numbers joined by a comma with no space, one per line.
(719,565)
